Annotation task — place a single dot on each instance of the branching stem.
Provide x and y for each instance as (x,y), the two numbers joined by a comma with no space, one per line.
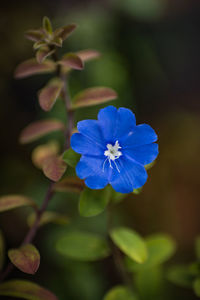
(49,194)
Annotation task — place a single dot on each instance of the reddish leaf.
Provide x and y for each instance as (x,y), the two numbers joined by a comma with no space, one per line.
(65,31)
(26,290)
(54,168)
(34,35)
(38,129)
(88,54)
(42,152)
(26,258)
(72,60)
(43,53)
(94,96)
(2,250)
(13,201)
(32,67)
(49,217)
(69,184)
(39,44)
(49,94)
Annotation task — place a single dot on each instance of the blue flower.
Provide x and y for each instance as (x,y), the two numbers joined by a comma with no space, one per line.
(114,150)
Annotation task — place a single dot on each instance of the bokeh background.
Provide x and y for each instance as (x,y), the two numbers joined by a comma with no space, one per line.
(151,57)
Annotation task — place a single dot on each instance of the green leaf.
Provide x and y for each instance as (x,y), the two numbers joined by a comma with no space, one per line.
(119,292)
(34,35)
(2,250)
(149,284)
(130,243)
(160,248)
(13,201)
(88,54)
(38,129)
(25,258)
(43,53)
(83,246)
(65,31)
(26,290)
(48,217)
(72,61)
(47,25)
(50,93)
(54,168)
(93,96)
(69,184)
(181,275)
(32,67)
(196,286)
(149,166)
(93,202)
(71,157)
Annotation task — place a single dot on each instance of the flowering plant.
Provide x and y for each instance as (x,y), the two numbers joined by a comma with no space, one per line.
(101,164)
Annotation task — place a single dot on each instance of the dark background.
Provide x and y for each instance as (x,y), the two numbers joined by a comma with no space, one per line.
(150,56)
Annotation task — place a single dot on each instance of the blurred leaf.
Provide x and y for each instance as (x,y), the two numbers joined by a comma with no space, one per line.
(31,67)
(71,157)
(180,275)
(196,287)
(48,217)
(54,168)
(50,93)
(26,290)
(2,250)
(88,54)
(119,292)
(57,41)
(43,53)
(38,129)
(93,96)
(69,184)
(83,246)
(130,243)
(149,284)
(93,202)
(160,248)
(72,61)
(117,197)
(40,153)
(39,44)
(64,31)
(197,247)
(13,201)
(47,25)
(34,35)
(25,258)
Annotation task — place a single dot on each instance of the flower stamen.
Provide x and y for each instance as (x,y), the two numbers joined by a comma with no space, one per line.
(112,154)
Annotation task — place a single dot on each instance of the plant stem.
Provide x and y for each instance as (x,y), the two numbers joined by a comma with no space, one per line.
(117,254)
(49,194)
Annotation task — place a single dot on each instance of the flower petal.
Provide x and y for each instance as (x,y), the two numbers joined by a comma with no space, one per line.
(141,135)
(107,120)
(92,130)
(83,145)
(132,176)
(142,154)
(126,122)
(92,168)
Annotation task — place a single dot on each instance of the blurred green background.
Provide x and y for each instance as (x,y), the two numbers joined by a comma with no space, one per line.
(150,56)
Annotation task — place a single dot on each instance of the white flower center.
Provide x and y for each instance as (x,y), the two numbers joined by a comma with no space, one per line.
(112,154)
